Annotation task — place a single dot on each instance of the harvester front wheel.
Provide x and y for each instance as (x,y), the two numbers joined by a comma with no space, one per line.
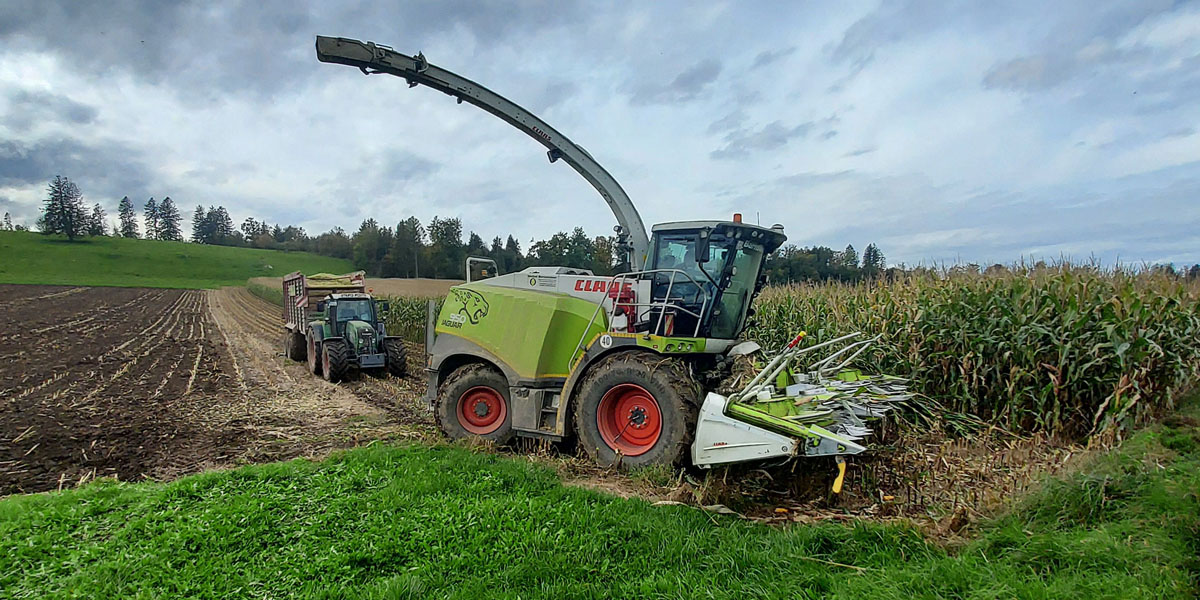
(397,356)
(314,355)
(637,408)
(335,360)
(473,402)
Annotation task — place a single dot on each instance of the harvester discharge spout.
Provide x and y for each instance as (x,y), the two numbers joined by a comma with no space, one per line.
(372,58)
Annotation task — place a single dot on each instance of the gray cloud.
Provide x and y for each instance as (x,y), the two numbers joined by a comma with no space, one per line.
(25,108)
(1181,132)
(103,170)
(553,94)
(205,51)
(767,57)
(686,86)
(401,165)
(728,122)
(1035,73)
(1086,46)
(218,174)
(772,136)
(1150,216)
(892,22)
(386,175)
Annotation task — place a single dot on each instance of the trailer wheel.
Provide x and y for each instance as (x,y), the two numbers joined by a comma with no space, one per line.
(314,355)
(637,408)
(294,347)
(335,361)
(473,402)
(397,356)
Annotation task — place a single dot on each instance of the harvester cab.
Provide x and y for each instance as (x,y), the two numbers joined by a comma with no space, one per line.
(630,364)
(704,275)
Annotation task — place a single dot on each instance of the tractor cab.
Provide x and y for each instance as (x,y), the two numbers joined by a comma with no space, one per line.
(340,309)
(703,276)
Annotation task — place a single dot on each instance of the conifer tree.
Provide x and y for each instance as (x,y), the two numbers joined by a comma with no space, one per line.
(151,216)
(168,221)
(129,225)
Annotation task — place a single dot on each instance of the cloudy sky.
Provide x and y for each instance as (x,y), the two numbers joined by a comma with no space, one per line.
(946,131)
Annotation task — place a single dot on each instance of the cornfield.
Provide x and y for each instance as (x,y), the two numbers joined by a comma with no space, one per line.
(407,317)
(1064,350)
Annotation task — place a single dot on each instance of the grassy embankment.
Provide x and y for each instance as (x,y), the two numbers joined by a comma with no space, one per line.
(386,522)
(107,261)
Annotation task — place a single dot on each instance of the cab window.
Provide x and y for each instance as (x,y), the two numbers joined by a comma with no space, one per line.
(354,310)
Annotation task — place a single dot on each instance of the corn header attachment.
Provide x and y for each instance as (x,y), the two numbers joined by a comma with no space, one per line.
(819,409)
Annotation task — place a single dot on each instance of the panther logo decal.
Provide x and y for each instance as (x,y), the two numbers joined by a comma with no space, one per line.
(474,305)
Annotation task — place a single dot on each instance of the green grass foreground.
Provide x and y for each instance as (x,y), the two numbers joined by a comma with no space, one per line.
(108,261)
(416,522)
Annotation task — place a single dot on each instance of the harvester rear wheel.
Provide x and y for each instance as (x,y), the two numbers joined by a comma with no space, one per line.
(473,402)
(637,408)
(397,356)
(314,355)
(293,345)
(335,360)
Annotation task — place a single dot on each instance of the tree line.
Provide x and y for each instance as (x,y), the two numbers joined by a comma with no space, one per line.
(792,263)
(64,213)
(411,248)
(433,250)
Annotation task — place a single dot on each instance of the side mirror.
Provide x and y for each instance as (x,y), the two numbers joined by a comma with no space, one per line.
(321,306)
(384,306)
(702,246)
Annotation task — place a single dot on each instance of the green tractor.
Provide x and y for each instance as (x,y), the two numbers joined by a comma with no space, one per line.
(626,365)
(330,322)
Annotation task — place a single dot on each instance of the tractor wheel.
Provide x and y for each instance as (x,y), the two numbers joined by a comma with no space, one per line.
(637,408)
(473,402)
(314,355)
(294,347)
(335,360)
(397,356)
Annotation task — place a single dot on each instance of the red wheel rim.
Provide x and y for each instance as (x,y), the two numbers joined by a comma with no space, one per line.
(481,410)
(629,419)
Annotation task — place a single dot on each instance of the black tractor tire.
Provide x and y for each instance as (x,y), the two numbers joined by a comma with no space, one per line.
(294,346)
(482,393)
(335,360)
(636,390)
(313,353)
(397,356)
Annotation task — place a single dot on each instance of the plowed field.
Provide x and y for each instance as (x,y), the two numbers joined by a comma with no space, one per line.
(137,383)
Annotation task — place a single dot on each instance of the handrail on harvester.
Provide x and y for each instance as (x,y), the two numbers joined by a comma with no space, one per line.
(620,279)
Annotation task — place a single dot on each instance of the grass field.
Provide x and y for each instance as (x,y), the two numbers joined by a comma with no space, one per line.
(107,261)
(416,522)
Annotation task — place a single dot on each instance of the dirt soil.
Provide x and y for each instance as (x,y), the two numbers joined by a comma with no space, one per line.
(411,288)
(152,384)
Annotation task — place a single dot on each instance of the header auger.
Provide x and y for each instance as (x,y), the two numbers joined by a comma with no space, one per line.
(627,364)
